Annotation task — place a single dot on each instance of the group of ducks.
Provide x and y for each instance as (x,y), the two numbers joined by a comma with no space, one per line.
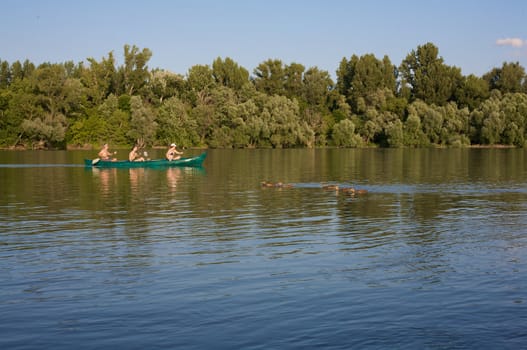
(276,184)
(330,187)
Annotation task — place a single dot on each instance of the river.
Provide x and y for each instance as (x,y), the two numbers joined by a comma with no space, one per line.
(434,255)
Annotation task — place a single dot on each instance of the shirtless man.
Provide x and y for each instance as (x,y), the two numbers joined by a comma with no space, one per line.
(105,154)
(173,153)
(133,156)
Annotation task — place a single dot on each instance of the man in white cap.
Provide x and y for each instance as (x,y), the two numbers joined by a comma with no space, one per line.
(173,153)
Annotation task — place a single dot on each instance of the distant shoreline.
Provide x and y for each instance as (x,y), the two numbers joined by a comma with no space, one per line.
(92,147)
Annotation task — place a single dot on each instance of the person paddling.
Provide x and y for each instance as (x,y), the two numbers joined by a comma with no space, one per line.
(105,153)
(173,153)
(134,156)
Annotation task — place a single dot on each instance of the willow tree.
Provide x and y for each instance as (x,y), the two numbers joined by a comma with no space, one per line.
(58,98)
(143,125)
(175,124)
(17,103)
(344,134)
(164,85)
(413,135)
(281,115)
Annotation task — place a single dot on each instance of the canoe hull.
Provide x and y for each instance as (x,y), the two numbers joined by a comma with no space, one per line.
(156,163)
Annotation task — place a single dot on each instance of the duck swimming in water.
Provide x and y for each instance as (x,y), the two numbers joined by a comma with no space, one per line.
(331,187)
(276,184)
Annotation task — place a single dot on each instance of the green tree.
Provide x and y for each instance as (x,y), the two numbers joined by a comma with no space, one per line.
(21,71)
(413,134)
(514,106)
(455,129)
(487,122)
(225,104)
(47,130)
(116,120)
(199,82)
(202,114)
(394,134)
(229,74)
(431,120)
(345,74)
(500,120)
(5,74)
(472,91)
(58,97)
(375,125)
(164,84)
(428,77)
(285,128)
(371,75)
(360,78)
(143,126)
(19,103)
(89,130)
(175,124)
(293,80)
(200,78)
(270,77)
(134,73)
(344,134)
(316,87)
(252,128)
(99,79)
(509,78)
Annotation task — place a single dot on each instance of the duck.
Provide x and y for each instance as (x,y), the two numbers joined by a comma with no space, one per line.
(348,190)
(331,187)
(283,185)
(277,184)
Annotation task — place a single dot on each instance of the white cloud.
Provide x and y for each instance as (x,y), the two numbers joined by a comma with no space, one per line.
(514,42)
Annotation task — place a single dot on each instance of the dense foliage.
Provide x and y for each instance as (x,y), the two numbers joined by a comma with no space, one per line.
(422,102)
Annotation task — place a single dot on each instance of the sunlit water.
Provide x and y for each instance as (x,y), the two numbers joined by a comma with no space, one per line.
(433,256)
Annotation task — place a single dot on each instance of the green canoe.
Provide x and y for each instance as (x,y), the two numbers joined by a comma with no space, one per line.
(157,163)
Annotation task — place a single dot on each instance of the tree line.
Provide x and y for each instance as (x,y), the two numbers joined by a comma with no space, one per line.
(421,102)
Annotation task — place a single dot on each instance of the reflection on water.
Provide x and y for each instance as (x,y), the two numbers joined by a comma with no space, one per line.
(173,175)
(137,177)
(432,257)
(107,179)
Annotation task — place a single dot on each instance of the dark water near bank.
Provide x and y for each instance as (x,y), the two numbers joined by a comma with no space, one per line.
(433,257)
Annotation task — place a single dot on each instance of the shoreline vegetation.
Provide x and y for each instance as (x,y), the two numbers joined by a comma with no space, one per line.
(120,147)
(421,102)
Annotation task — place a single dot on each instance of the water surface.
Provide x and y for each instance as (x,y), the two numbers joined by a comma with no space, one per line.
(434,256)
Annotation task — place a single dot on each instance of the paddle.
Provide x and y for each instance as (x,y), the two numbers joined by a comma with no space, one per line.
(95,161)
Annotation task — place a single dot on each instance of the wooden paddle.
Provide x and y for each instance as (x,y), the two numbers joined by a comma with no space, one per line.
(95,161)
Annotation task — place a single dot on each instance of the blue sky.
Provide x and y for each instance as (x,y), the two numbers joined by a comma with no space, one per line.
(473,35)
